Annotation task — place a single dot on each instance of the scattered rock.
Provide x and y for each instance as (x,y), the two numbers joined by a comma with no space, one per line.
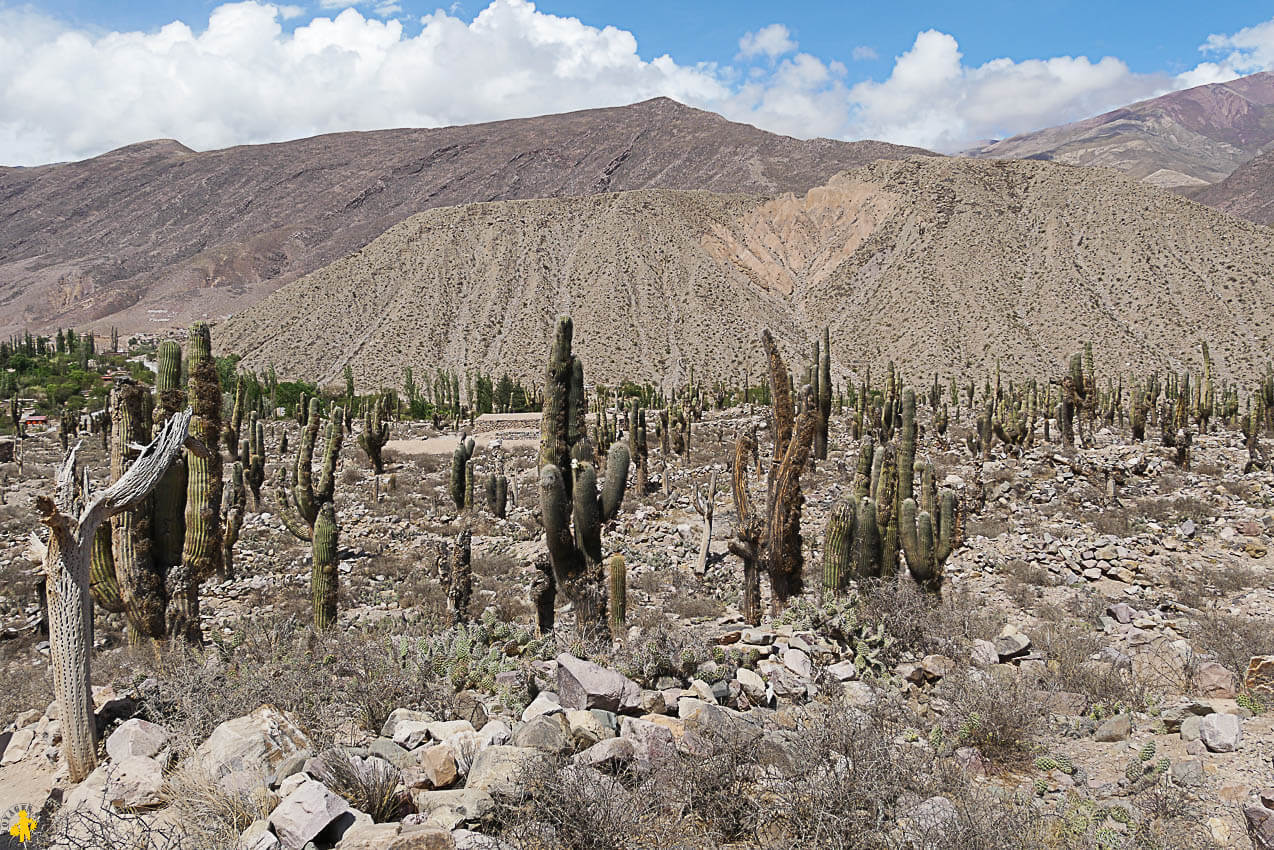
(583,684)
(1117,728)
(1221,733)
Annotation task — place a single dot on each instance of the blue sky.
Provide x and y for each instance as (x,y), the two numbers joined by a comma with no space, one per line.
(1162,36)
(78,78)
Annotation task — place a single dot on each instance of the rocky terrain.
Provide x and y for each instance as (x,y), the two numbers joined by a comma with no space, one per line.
(1246,192)
(1183,141)
(1098,671)
(943,265)
(154,235)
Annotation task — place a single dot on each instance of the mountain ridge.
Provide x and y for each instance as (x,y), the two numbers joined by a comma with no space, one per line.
(934,263)
(155,235)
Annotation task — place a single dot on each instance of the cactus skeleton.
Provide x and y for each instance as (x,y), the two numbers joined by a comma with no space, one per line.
(73,519)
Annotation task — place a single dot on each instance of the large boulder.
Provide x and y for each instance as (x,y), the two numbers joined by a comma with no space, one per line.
(544,733)
(134,783)
(583,684)
(1214,681)
(136,737)
(306,813)
(453,808)
(1260,827)
(1221,733)
(257,742)
(651,741)
(497,770)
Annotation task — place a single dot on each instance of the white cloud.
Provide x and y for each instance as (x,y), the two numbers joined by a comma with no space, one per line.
(932,99)
(772,41)
(864,53)
(67,93)
(1247,51)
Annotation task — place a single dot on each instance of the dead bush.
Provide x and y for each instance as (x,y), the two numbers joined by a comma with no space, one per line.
(211,815)
(691,605)
(999,712)
(1232,639)
(370,784)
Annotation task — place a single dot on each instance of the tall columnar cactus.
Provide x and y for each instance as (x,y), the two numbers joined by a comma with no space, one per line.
(572,509)
(459,466)
(499,506)
(868,529)
(234,502)
(375,432)
(308,512)
(140,574)
(774,542)
(168,526)
(1138,407)
(618,573)
(823,396)
(73,519)
(201,554)
(637,443)
(252,448)
(460,578)
(837,545)
(928,540)
(230,432)
(324,576)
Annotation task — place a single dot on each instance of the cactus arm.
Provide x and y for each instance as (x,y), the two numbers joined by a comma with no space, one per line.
(303,494)
(292,519)
(556,511)
(327,475)
(616,483)
(586,514)
(781,395)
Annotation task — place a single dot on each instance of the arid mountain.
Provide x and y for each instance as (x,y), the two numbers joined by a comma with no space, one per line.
(941,264)
(1247,193)
(155,234)
(1181,140)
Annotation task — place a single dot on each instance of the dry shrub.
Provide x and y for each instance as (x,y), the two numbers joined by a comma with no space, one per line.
(647,581)
(999,712)
(691,605)
(579,809)
(499,566)
(1074,666)
(211,815)
(1114,521)
(328,681)
(370,784)
(920,623)
(843,781)
(1232,639)
(26,687)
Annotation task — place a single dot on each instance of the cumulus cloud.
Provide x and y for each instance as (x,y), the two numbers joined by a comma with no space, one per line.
(67,93)
(1247,51)
(934,100)
(864,53)
(772,41)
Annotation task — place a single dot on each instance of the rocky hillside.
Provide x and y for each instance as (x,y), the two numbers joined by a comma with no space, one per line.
(1181,140)
(156,234)
(940,264)
(1246,192)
